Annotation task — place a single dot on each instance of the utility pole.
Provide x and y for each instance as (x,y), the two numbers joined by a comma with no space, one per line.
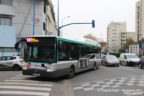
(93,25)
(33,17)
(58,19)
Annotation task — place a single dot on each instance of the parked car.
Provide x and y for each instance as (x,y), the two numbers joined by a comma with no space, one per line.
(141,65)
(93,59)
(11,62)
(129,59)
(110,60)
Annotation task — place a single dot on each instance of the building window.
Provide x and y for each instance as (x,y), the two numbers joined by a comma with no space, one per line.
(6,2)
(5,21)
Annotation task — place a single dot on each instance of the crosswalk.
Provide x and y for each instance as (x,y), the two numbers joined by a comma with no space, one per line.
(20,86)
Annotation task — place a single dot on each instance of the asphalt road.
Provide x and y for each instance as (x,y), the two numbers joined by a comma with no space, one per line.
(13,83)
(106,81)
(110,81)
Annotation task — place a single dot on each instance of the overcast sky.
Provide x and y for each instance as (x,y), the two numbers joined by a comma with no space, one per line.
(102,11)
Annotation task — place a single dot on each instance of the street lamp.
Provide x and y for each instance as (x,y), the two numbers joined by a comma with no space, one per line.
(63,23)
(59,27)
(58,18)
(64,19)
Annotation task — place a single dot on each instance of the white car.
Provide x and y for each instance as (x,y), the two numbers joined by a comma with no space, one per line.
(11,62)
(129,59)
(110,60)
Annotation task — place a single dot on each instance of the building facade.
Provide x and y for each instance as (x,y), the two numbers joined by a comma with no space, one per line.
(134,48)
(16,21)
(114,30)
(140,19)
(140,24)
(44,18)
(128,35)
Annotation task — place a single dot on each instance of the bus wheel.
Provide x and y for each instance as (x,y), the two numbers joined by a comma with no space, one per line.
(71,72)
(16,68)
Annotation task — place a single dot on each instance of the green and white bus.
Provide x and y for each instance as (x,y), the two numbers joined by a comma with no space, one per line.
(56,57)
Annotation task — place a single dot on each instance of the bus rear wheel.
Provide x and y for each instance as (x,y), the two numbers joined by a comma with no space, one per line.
(71,72)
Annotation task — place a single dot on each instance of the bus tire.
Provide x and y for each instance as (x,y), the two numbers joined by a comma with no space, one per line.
(71,72)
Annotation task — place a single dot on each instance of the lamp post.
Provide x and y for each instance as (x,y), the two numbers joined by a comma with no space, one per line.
(33,17)
(63,23)
(64,19)
(58,19)
(59,27)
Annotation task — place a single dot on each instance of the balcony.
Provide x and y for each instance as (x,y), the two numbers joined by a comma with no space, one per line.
(7,10)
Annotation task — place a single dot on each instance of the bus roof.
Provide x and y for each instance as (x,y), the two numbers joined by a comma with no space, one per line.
(87,43)
(78,42)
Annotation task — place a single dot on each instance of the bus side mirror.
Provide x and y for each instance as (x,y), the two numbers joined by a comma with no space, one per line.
(18,43)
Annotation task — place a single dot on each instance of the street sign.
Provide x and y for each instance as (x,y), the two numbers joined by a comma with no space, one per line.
(140,45)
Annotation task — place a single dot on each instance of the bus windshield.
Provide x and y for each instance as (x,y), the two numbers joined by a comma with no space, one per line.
(42,53)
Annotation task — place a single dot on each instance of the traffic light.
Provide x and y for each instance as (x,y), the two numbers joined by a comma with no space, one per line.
(93,23)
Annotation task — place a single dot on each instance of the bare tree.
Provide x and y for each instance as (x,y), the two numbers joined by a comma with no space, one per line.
(90,36)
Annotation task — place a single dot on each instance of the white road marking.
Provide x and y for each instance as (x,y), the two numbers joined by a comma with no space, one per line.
(18,83)
(30,81)
(26,88)
(23,93)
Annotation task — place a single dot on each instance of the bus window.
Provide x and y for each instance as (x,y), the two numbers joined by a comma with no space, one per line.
(63,52)
(42,53)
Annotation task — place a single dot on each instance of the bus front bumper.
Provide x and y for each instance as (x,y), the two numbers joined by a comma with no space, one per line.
(44,73)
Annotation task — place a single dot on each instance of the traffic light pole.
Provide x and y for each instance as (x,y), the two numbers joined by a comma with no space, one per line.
(93,25)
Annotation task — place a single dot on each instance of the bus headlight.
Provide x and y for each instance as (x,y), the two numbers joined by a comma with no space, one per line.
(24,67)
(50,69)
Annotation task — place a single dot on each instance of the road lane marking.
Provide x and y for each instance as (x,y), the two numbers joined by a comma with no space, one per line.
(33,84)
(30,81)
(24,93)
(111,83)
(25,88)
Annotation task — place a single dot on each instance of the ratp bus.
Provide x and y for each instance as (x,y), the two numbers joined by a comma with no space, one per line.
(56,57)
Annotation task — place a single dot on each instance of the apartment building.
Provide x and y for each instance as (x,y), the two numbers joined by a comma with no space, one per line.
(139,20)
(114,30)
(140,23)
(16,21)
(128,35)
(134,48)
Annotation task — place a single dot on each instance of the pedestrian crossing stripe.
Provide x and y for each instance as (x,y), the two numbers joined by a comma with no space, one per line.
(30,81)
(24,93)
(25,88)
(15,86)
(32,84)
